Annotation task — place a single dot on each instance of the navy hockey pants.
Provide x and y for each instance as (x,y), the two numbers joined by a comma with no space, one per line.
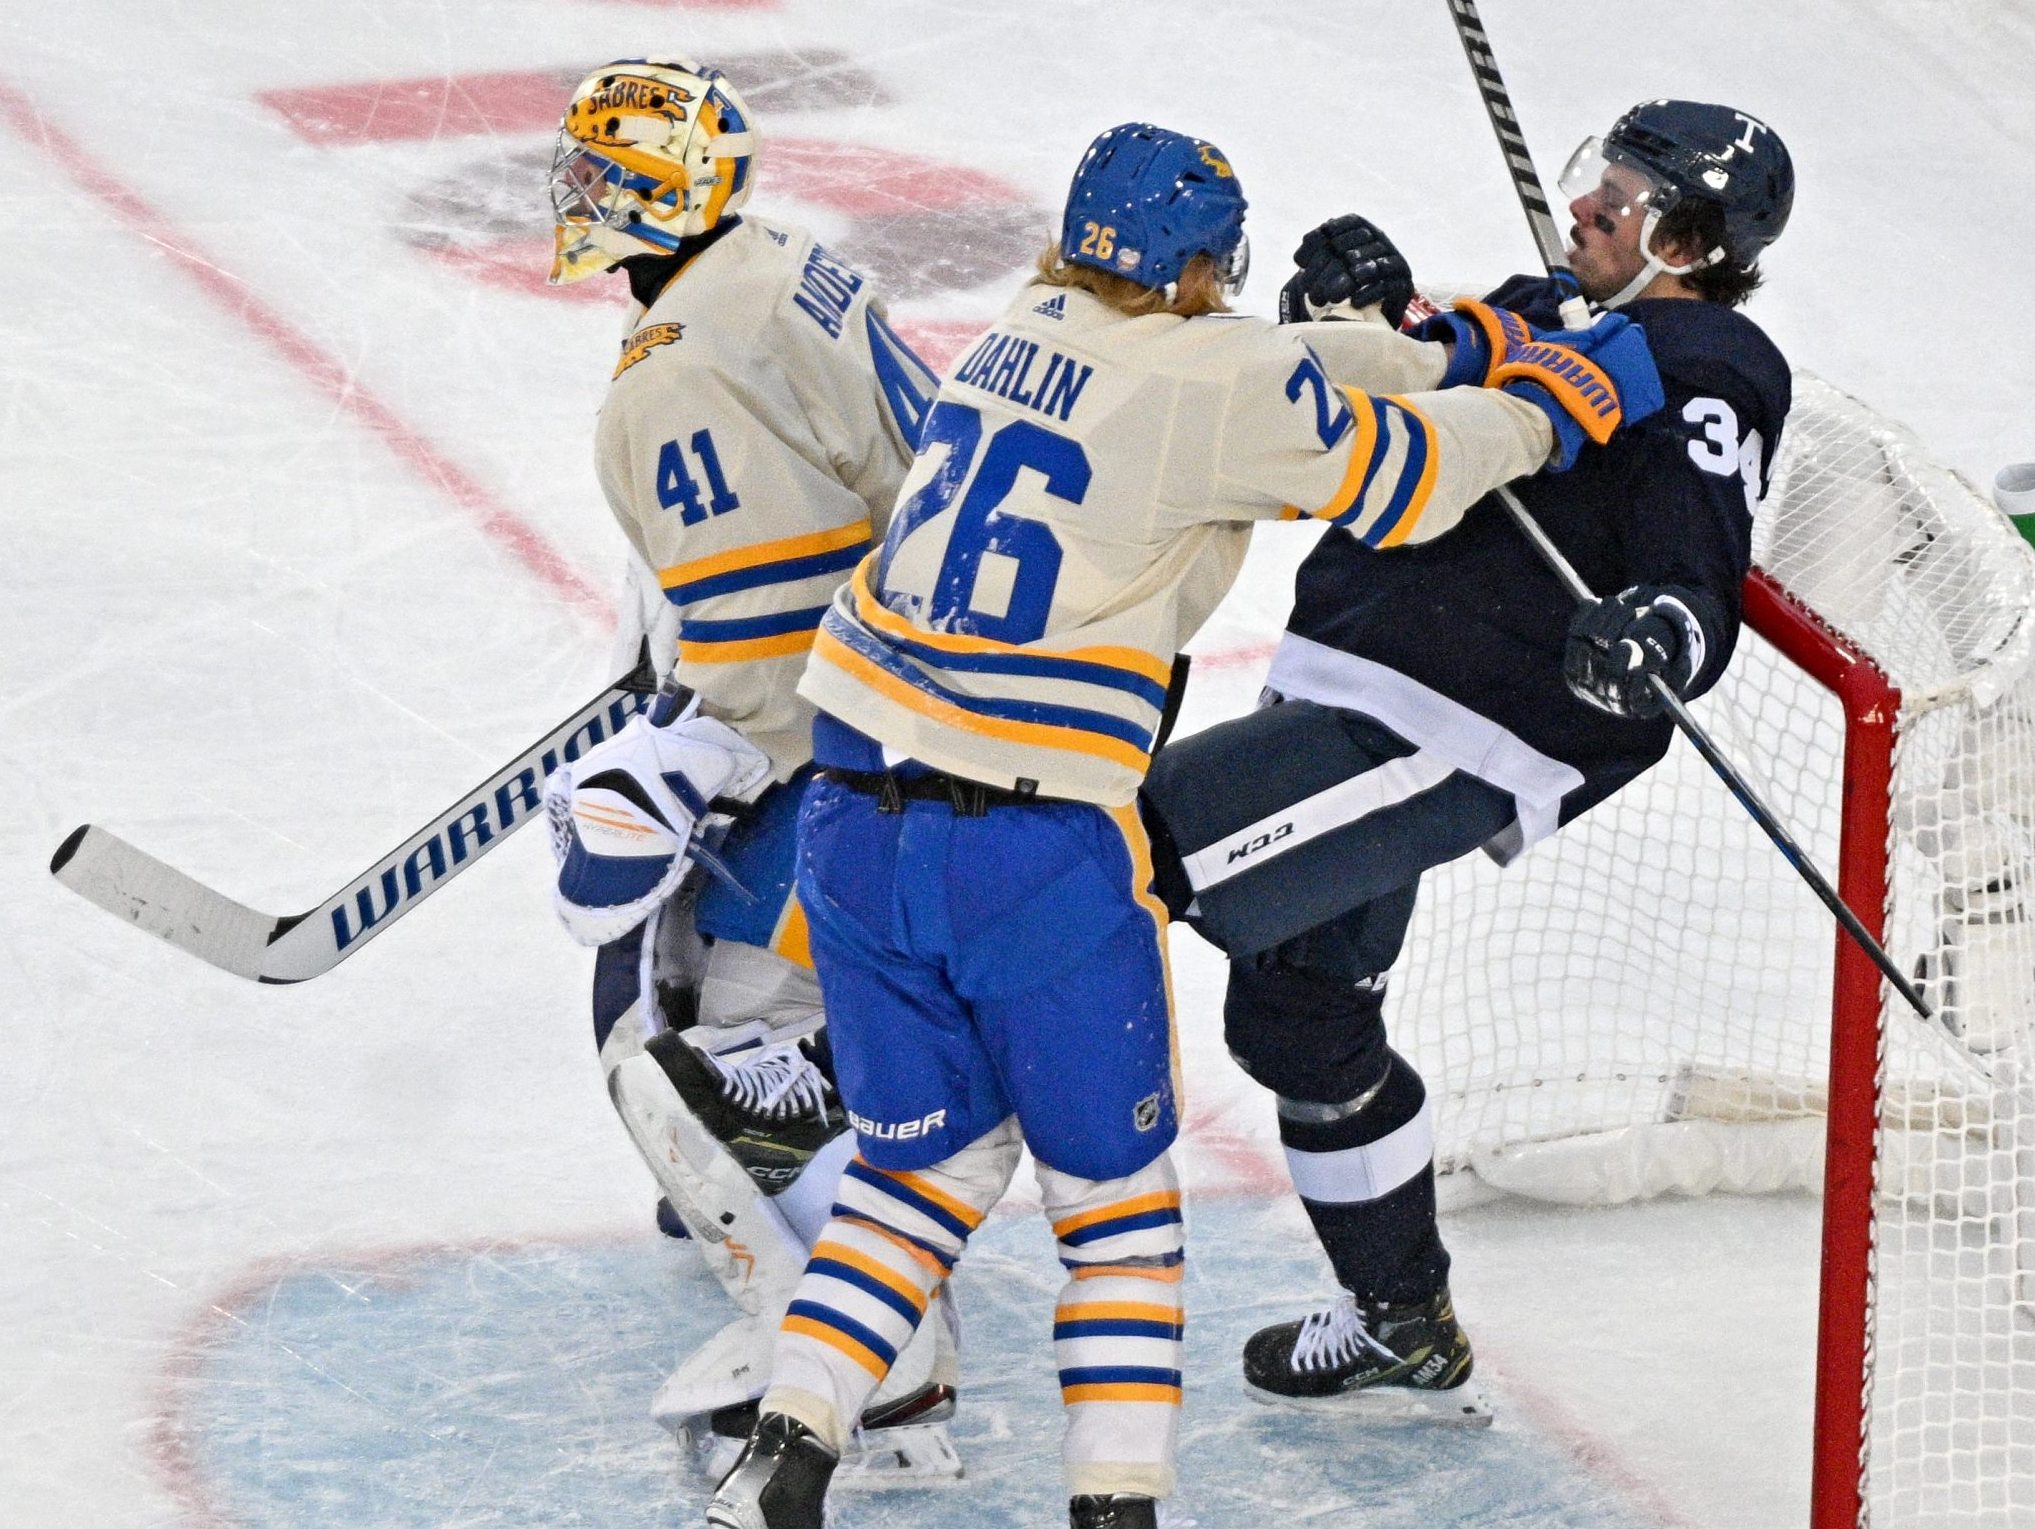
(1298,834)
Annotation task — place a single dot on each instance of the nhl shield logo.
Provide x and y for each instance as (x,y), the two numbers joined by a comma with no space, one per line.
(1145,1113)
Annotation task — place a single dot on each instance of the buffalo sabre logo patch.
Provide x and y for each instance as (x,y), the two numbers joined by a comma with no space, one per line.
(644,341)
(598,118)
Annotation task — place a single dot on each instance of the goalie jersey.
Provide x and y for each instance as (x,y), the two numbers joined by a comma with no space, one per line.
(1083,497)
(760,420)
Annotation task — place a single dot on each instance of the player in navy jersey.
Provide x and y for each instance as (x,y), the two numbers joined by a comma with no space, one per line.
(1448,697)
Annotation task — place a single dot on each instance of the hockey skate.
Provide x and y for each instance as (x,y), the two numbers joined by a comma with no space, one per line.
(779,1480)
(1377,1361)
(772,1108)
(902,1442)
(1122,1510)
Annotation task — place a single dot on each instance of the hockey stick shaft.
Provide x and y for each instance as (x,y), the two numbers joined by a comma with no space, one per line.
(1726,771)
(1512,143)
(134,886)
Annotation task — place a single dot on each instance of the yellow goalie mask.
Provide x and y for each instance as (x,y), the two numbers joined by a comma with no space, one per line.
(651,151)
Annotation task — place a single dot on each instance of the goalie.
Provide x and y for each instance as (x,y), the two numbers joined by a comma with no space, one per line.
(759,420)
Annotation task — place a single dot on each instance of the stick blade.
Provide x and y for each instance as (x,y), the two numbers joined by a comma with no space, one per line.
(139,889)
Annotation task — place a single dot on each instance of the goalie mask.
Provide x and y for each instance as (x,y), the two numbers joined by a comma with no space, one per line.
(651,151)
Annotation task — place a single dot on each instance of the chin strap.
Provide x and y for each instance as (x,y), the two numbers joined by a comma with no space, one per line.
(1655,266)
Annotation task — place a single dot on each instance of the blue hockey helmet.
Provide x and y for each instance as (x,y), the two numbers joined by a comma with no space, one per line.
(1713,154)
(1146,201)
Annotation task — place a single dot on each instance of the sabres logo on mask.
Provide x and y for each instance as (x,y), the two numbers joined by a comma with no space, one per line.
(1216,162)
(644,341)
(598,118)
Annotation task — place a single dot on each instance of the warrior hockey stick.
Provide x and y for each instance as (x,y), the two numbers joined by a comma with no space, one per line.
(133,885)
(1512,142)
(1726,772)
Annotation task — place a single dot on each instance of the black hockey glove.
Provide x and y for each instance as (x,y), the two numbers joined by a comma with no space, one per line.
(1617,643)
(1345,265)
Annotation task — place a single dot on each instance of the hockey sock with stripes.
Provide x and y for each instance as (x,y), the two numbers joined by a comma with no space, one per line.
(1118,1325)
(893,1239)
(1365,1172)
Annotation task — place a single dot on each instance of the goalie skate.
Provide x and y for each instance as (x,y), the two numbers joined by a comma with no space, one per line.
(1381,1362)
(901,1443)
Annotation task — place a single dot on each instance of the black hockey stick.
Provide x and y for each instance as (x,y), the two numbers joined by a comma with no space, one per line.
(133,885)
(1576,314)
(1792,852)
(1512,143)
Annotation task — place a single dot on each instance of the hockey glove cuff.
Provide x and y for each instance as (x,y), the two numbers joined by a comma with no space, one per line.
(1345,266)
(1617,645)
(1588,382)
(627,817)
(1480,333)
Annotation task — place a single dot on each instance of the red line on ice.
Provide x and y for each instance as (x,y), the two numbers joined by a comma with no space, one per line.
(303,354)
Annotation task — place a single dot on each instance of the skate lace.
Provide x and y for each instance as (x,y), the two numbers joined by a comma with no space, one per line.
(782,1081)
(1335,1336)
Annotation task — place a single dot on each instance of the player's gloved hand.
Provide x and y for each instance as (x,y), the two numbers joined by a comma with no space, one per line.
(1346,265)
(1618,643)
(626,817)
(1588,382)
(1480,334)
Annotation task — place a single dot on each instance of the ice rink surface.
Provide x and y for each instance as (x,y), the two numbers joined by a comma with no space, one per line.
(301,538)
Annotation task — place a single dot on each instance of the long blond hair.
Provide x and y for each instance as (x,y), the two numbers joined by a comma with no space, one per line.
(1198,290)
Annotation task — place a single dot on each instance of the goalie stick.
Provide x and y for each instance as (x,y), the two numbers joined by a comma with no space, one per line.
(134,886)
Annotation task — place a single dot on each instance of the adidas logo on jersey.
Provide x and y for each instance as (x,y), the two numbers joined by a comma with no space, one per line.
(1054,307)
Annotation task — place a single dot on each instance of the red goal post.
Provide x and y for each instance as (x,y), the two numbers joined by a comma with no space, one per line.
(1648,1003)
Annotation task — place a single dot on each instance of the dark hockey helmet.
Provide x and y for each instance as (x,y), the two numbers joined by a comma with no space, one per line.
(1713,154)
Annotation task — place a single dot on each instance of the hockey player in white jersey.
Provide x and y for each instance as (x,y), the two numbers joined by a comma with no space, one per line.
(990,683)
(760,419)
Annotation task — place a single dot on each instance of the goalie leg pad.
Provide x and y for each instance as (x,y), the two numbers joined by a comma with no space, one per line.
(749,1247)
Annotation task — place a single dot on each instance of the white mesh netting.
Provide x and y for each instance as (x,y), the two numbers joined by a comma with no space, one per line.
(1643,1004)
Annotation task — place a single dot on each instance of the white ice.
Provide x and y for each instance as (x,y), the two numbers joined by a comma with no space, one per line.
(300,538)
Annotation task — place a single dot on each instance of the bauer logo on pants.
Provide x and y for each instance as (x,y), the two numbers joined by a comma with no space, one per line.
(896,1130)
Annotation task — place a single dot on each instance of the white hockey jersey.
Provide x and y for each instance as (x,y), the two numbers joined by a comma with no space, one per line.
(1083,498)
(759,423)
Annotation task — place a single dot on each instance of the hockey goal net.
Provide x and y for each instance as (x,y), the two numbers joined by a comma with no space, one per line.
(1649,1003)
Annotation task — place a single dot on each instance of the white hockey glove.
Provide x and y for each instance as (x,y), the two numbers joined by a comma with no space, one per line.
(626,817)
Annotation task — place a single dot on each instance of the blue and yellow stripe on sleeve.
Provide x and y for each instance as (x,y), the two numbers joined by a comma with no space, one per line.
(764,571)
(1383,516)
(766,563)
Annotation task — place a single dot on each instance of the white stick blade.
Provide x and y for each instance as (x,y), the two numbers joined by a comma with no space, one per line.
(139,889)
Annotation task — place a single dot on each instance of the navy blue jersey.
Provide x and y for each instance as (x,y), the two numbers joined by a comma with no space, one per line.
(1476,615)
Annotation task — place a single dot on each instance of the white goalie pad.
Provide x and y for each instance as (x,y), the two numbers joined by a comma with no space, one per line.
(625,817)
(733,1367)
(749,1247)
